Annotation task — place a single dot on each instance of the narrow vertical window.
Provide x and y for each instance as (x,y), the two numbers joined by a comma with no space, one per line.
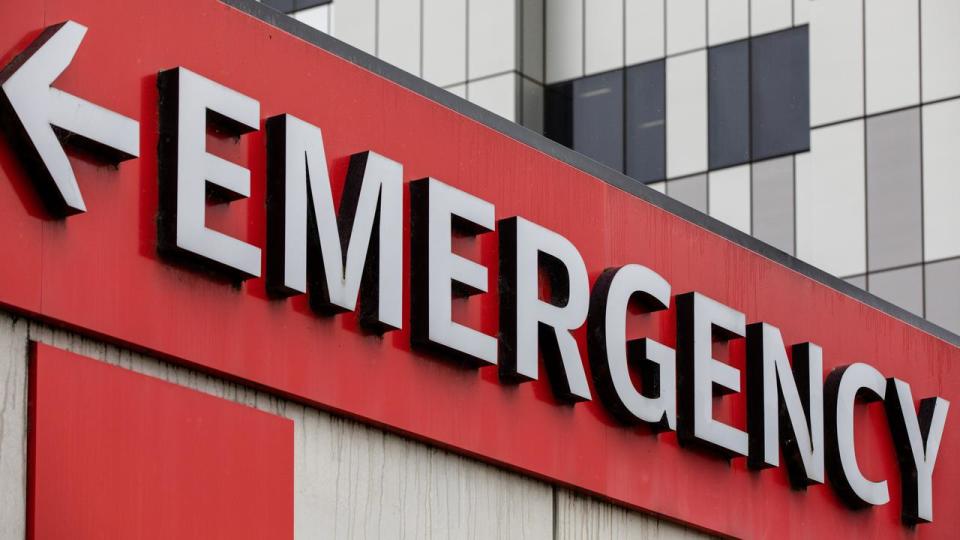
(780,93)
(645,148)
(587,115)
(729,104)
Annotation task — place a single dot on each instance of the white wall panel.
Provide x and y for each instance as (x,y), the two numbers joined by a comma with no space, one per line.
(686,114)
(893,54)
(940,32)
(770,15)
(491,37)
(836,60)
(729,191)
(603,35)
(686,25)
(458,90)
(831,202)
(658,186)
(354,21)
(801,12)
(941,180)
(645,20)
(564,51)
(398,28)
(445,41)
(727,20)
(496,94)
(317,17)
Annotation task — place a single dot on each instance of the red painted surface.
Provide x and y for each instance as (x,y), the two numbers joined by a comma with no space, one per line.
(116,454)
(99,272)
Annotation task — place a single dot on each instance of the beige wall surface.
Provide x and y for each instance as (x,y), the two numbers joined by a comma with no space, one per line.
(351,481)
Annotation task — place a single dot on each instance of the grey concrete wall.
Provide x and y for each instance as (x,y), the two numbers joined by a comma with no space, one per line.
(351,481)
(13,426)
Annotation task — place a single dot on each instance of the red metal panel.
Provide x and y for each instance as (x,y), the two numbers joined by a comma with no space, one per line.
(116,454)
(100,272)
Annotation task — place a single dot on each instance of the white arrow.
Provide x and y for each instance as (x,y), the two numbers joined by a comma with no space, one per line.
(33,108)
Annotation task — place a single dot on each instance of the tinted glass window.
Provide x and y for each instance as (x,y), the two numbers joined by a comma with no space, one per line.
(598,117)
(729,104)
(558,113)
(645,133)
(780,93)
(587,115)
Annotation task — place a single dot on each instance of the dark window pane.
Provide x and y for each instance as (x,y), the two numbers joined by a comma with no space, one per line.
(558,113)
(780,93)
(598,117)
(729,104)
(587,115)
(645,132)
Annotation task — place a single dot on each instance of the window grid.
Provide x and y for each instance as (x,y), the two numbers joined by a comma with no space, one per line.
(530,79)
(786,114)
